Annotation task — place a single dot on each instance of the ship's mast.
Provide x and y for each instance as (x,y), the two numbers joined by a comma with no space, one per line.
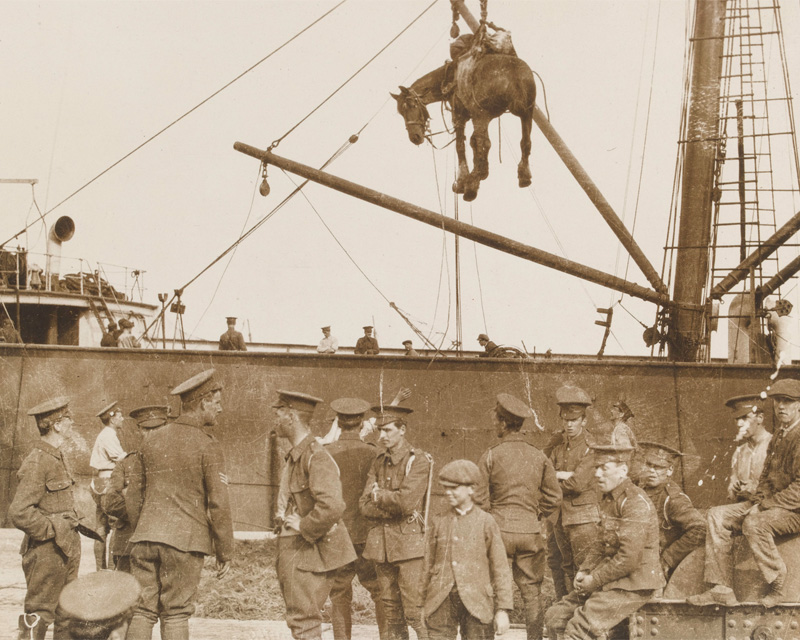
(694,231)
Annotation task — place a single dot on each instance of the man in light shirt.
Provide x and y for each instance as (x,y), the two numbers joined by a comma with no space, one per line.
(749,456)
(329,344)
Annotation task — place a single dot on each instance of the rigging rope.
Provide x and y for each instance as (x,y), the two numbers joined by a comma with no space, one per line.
(174,122)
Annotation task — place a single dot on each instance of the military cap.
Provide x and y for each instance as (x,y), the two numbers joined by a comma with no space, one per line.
(126,324)
(390,413)
(150,416)
(197,386)
(788,387)
(611,453)
(102,599)
(107,409)
(573,402)
(743,405)
(296,400)
(459,472)
(512,407)
(350,406)
(231,320)
(326,328)
(483,336)
(367,327)
(407,342)
(55,407)
(659,455)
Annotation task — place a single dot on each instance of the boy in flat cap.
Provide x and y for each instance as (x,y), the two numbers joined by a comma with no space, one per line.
(773,510)
(354,458)
(748,459)
(329,344)
(395,499)
(367,344)
(232,340)
(410,350)
(575,526)
(185,513)
(621,570)
(465,554)
(44,509)
(122,500)
(518,486)
(313,540)
(682,528)
(489,347)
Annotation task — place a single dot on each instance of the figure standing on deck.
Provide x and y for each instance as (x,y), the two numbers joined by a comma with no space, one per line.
(126,339)
(329,344)
(367,344)
(232,340)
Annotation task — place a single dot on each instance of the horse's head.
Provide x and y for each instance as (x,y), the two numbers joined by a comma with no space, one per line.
(414,112)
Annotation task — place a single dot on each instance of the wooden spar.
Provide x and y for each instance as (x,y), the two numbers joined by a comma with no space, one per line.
(768,288)
(583,179)
(762,252)
(697,181)
(481,236)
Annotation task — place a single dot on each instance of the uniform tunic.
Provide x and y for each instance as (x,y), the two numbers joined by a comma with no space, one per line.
(43,508)
(367,345)
(122,501)
(681,529)
(232,340)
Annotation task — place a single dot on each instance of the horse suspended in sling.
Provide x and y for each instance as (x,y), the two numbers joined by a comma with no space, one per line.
(477,88)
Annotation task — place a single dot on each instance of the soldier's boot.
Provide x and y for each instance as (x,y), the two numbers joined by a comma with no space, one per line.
(397,631)
(31,627)
(175,629)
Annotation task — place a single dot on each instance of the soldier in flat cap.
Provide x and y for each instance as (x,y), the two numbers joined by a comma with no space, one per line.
(489,347)
(518,487)
(354,458)
(232,340)
(106,452)
(682,528)
(44,509)
(313,540)
(621,570)
(98,606)
(773,510)
(395,499)
(185,514)
(575,526)
(122,500)
(367,344)
(748,459)
(329,344)
(465,556)
(410,350)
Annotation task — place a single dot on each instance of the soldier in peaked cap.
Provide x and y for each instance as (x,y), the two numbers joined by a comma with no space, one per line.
(232,340)
(773,510)
(748,459)
(185,512)
(518,486)
(620,571)
(367,344)
(575,525)
(44,509)
(354,459)
(313,540)
(682,528)
(98,606)
(395,499)
(122,501)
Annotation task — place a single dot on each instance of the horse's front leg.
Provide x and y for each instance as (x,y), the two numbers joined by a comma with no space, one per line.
(459,123)
(524,169)
(480,157)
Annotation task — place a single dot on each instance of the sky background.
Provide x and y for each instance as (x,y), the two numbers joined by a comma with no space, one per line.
(85,83)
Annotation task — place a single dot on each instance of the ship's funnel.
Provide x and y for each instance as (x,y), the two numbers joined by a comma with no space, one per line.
(61,231)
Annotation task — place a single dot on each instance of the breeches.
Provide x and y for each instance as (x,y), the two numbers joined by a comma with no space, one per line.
(341,594)
(47,570)
(400,584)
(304,592)
(527,555)
(579,617)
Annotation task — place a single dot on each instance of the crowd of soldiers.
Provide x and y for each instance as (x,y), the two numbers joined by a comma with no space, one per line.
(347,508)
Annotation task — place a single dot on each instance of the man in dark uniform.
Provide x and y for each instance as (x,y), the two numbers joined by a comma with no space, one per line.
(98,606)
(395,500)
(312,540)
(232,340)
(682,528)
(354,458)
(621,570)
(575,527)
(367,344)
(518,486)
(185,514)
(773,510)
(122,501)
(44,509)
(488,346)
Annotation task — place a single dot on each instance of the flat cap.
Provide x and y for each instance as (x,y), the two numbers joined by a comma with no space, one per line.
(296,400)
(350,406)
(390,413)
(787,387)
(126,324)
(482,336)
(459,472)
(659,455)
(611,453)
(512,407)
(99,597)
(743,405)
(106,409)
(50,407)
(407,342)
(150,416)
(231,319)
(197,386)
